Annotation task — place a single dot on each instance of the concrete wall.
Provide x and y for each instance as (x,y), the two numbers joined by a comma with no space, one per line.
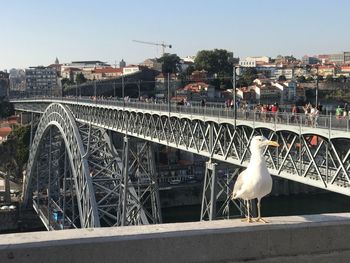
(318,238)
(8,221)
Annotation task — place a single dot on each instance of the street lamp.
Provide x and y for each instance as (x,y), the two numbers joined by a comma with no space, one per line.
(236,71)
(123,90)
(169,93)
(316,93)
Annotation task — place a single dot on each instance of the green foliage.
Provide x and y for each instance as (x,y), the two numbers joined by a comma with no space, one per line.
(217,61)
(170,63)
(329,78)
(66,82)
(21,136)
(80,78)
(338,95)
(6,108)
(15,151)
(247,77)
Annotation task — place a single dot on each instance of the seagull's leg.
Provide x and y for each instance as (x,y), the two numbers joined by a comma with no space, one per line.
(247,219)
(259,218)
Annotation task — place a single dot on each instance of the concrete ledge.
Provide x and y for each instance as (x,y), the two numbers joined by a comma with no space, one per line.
(314,238)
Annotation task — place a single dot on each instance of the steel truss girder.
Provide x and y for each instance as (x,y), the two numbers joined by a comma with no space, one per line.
(120,198)
(217,190)
(141,203)
(296,159)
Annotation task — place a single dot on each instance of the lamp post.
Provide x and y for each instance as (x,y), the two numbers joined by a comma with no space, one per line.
(169,93)
(234,79)
(316,93)
(123,89)
(139,87)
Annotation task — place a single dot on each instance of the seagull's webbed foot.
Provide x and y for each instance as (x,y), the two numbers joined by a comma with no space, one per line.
(247,219)
(261,220)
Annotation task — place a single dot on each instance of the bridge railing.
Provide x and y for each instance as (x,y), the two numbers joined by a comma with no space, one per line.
(330,122)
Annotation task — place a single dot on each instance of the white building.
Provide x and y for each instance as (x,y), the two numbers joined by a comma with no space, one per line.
(287,89)
(131,69)
(287,72)
(253,61)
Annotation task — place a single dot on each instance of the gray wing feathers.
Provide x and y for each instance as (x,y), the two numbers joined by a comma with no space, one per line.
(238,184)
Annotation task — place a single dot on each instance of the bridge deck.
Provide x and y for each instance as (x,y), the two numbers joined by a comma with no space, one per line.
(313,238)
(324,125)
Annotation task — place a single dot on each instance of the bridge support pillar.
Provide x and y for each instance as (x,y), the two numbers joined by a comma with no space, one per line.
(208,210)
(125,179)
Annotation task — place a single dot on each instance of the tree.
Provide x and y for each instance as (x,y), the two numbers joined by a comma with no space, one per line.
(66,82)
(80,78)
(217,61)
(6,108)
(329,78)
(169,62)
(247,77)
(282,78)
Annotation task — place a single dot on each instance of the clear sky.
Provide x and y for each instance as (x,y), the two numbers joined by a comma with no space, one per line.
(35,32)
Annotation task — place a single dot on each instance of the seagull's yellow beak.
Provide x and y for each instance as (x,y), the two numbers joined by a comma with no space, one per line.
(273,143)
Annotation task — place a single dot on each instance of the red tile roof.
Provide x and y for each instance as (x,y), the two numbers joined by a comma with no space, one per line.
(5,131)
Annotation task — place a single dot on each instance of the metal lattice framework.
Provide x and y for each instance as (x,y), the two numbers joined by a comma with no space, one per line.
(308,158)
(313,156)
(61,118)
(75,171)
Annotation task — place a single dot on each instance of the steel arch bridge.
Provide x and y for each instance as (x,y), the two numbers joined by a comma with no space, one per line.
(316,156)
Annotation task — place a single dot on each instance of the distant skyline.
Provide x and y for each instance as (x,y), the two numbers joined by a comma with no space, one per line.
(36,32)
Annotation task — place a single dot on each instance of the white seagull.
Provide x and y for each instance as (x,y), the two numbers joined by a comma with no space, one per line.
(255,181)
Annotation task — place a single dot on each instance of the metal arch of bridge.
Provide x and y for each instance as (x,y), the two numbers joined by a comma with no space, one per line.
(90,190)
(58,116)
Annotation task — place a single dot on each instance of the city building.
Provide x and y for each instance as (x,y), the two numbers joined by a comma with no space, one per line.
(57,66)
(197,91)
(345,70)
(265,92)
(161,85)
(246,94)
(17,81)
(152,64)
(254,61)
(130,69)
(70,73)
(122,63)
(4,84)
(326,70)
(306,60)
(339,58)
(86,65)
(41,80)
(288,90)
(287,72)
(106,73)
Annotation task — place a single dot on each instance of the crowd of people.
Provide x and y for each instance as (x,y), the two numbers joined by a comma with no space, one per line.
(305,115)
